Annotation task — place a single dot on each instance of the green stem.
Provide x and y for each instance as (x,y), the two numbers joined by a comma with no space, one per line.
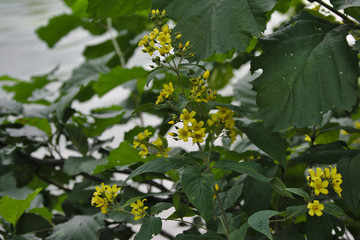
(206,162)
(226,223)
(115,43)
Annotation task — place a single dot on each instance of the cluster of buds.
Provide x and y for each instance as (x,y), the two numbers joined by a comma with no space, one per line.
(320,181)
(223,120)
(159,147)
(199,92)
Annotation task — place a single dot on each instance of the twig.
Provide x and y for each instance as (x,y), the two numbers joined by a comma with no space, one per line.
(115,43)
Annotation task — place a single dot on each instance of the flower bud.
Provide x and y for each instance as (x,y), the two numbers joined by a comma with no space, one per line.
(206,74)
(163,12)
(153,12)
(187,44)
(177,37)
(181,46)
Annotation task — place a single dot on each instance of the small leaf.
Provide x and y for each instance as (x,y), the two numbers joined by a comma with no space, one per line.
(198,184)
(240,233)
(116,77)
(159,207)
(260,221)
(150,226)
(342,4)
(77,137)
(294,211)
(299,192)
(279,187)
(229,197)
(332,209)
(250,168)
(57,28)
(161,165)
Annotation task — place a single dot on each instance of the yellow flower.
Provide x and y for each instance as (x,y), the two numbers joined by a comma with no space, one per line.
(198,136)
(187,117)
(159,143)
(164,38)
(168,89)
(138,209)
(319,173)
(320,186)
(196,126)
(316,208)
(145,151)
(184,133)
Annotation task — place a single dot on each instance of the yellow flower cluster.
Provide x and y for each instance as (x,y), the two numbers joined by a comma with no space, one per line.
(157,147)
(196,130)
(157,40)
(165,93)
(224,117)
(320,180)
(199,92)
(104,197)
(138,209)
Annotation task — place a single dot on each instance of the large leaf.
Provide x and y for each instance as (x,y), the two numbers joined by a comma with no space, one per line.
(150,226)
(270,142)
(11,209)
(79,227)
(116,8)
(57,28)
(214,26)
(324,227)
(198,184)
(252,169)
(260,221)
(308,69)
(349,167)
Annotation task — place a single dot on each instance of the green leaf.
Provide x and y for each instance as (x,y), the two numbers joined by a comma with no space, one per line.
(236,109)
(44,212)
(294,211)
(124,155)
(40,123)
(57,28)
(308,69)
(198,184)
(252,169)
(270,142)
(342,4)
(332,209)
(349,167)
(207,24)
(79,227)
(116,8)
(260,221)
(150,226)
(240,233)
(30,222)
(23,90)
(159,207)
(11,209)
(116,77)
(279,187)
(299,192)
(229,197)
(76,165)
(77,137)
(161,165)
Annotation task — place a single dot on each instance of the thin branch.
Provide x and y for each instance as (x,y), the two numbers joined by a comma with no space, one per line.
(53,183)
(115,43)
(343,16)
(167,235)
(47,161)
